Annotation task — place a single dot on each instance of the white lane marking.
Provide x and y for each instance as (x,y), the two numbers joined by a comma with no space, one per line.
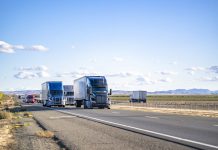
(152,117)
(215,125)
(144,130)
(115,112)
(59,117)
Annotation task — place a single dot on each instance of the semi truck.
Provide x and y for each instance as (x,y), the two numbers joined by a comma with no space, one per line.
(91,91)
(138,96)
(68,95)
(30,98)
(52,94)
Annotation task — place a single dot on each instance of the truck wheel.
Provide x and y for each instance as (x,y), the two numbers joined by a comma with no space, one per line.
(78,104)
(85,106)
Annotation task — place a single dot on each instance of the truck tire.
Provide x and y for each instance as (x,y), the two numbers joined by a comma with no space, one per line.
(85,106)
(78,104)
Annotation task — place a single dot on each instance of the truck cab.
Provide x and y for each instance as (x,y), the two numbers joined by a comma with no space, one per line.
(52,94)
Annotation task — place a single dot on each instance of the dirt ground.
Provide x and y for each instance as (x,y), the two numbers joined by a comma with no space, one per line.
(6,137)
(25,137)
(20,133)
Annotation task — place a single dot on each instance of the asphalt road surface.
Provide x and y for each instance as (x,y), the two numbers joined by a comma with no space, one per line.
(121,129)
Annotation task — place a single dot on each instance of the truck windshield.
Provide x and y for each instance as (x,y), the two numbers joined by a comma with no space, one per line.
(99,82)
(29,96)
(56,92)
(68,94)
(99,89)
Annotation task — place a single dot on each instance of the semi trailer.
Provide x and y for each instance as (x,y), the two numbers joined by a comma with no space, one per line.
(68,95)
(91,91)
(138,96)
(52,94)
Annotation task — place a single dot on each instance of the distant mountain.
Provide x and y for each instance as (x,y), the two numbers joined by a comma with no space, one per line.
(24,92)
(122,92)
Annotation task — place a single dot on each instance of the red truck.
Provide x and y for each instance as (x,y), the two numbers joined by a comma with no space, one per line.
(30,99)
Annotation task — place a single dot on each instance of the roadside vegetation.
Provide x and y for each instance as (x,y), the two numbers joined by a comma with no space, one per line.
(45,134)
(6,137)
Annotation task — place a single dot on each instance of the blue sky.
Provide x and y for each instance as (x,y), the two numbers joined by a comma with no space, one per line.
(137,44)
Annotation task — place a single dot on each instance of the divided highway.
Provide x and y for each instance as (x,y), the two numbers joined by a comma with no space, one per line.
(194,132)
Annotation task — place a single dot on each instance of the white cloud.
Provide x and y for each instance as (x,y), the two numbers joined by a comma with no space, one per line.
(43,74)
(166,80)
(18,47)
(118,59)
(212,79)
(123,74)
(41,68)
(25,75)
(192,70)
(39,48)
(174,63)
(37,68)
(145,80)
(168,73)
(32,72)
(213,69)
(6,48)
(77,74)
(196,69)
(9,48)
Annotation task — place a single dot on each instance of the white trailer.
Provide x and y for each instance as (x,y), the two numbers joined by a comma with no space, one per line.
(69,95)
(138,96)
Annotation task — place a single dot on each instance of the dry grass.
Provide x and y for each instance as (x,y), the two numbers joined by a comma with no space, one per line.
(176,98)
(27,114)
(6,137)
(204,113)
(5,115)
(45,134)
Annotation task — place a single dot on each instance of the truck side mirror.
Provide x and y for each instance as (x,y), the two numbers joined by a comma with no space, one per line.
(110,93)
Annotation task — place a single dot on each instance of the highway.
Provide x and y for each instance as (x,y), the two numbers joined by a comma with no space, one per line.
(194,132)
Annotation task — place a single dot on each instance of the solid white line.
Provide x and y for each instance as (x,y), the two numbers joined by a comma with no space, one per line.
(59,117)
(115,112)
(151,117)
(139,129)
(215,125)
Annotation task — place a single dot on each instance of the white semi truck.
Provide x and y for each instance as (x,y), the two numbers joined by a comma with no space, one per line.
(69,95)
(91,91)
(138,96)
(52,94)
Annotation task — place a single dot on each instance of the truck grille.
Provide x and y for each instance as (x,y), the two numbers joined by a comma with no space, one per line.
(57,101)
(101,99)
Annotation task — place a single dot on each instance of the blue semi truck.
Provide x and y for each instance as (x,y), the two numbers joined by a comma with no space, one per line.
(52,94)
(91,91)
